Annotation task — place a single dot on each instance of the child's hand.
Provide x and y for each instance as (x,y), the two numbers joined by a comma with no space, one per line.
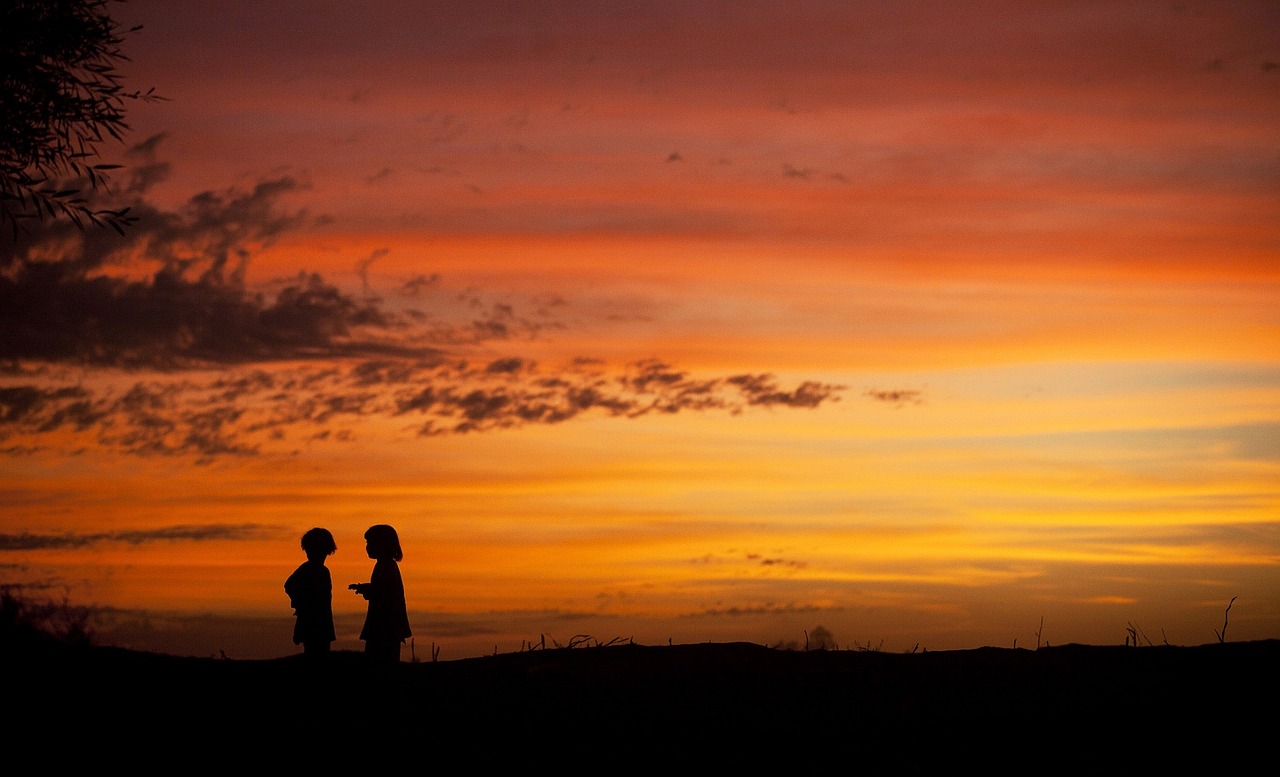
(360,588)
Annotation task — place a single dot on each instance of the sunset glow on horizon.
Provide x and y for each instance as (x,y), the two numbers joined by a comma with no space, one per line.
(937,326)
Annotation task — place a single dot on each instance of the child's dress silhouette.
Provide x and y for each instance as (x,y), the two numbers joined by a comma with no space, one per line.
(386,624)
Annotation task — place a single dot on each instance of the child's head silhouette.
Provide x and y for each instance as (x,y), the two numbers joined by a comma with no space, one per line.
(383,542)
(318,543)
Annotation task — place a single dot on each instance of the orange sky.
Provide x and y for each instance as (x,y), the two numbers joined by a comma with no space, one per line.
(938,328)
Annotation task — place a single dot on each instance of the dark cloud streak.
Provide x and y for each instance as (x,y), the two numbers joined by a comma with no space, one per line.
(26,541)
(896,396)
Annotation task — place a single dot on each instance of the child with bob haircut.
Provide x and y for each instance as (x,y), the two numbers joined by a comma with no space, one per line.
(386,624)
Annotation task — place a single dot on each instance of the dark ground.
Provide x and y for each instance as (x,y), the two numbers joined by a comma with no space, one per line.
(1062,710)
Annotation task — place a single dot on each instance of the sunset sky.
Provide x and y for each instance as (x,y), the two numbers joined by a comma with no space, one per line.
(936,325)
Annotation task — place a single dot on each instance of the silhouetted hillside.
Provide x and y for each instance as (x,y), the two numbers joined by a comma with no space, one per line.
(1068,707)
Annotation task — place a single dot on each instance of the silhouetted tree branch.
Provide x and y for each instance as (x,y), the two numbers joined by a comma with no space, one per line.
(60,96)
(1226,616)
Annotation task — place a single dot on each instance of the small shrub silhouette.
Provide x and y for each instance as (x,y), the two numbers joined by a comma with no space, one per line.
(27,623)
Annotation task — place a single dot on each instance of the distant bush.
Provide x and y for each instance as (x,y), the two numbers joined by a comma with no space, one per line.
(821,639)
(27,624)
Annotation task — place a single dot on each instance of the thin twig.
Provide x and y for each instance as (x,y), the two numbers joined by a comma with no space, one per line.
(1222,635)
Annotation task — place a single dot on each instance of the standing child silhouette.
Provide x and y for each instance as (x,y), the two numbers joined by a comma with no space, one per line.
(310,590)
(386,624)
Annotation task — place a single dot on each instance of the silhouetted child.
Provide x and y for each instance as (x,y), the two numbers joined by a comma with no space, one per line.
(310,590)
(386,624)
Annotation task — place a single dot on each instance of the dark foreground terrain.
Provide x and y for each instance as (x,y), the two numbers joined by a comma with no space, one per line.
(627,708)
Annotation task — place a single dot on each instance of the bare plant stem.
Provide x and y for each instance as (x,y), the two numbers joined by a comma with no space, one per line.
(1222,635)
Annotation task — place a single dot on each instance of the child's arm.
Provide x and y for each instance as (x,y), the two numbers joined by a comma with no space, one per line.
(360,588)
(293,589)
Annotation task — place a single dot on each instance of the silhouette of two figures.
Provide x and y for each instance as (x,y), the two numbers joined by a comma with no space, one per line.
(310,590)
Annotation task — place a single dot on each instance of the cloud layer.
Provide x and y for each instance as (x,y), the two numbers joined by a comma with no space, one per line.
(247,412)
(183,357)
